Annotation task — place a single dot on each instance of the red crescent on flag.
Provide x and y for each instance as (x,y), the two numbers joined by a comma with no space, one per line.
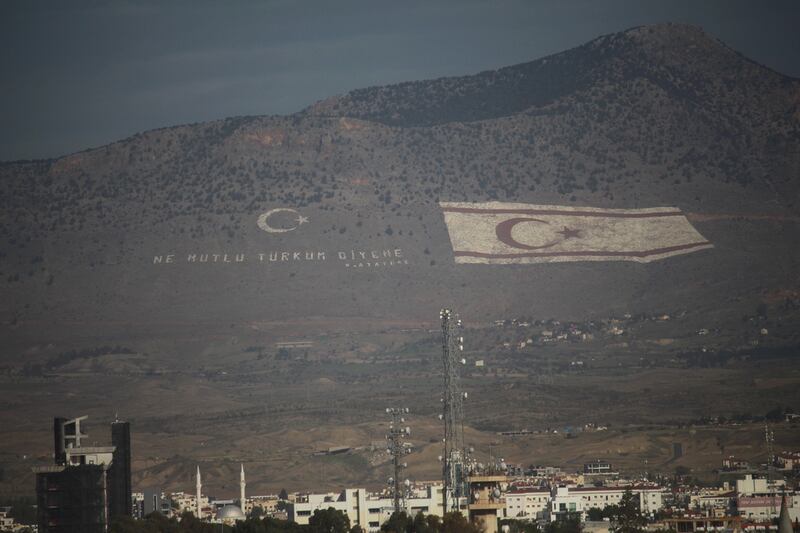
(504,228)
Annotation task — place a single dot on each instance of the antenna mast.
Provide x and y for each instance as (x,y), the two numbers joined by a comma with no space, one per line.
(397,448)
(769,437)
(454,458)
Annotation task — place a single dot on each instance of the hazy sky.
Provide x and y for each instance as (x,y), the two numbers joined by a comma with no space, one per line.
(74,75)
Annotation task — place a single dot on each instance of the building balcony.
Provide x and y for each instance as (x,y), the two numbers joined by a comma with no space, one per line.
(487,504)
(489,478)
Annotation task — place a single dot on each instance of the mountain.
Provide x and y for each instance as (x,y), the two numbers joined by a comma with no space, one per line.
(281,274)
(655,116)
(685,64)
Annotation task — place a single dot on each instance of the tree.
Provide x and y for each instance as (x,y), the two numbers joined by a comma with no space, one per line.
(268,525)
(520,526)
(629,518)
(571,523)
(595,514)
(329,521)
(454,522)
(398,523)
(434,523)
(283,495)
(126,524)
(402,523)
(161,523)
(251,525)
(426,524)
(189,523)
(155,522)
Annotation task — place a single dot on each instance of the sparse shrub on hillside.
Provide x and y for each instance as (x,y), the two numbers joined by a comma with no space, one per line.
(64,358)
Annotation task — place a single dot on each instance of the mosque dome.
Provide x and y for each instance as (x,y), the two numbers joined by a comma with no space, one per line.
(230,512)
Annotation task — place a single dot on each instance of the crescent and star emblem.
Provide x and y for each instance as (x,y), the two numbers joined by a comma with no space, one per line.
(504,229)
(263,220)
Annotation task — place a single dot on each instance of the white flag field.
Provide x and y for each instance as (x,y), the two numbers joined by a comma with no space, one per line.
(513,233)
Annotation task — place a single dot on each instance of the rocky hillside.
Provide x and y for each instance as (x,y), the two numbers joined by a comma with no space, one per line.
(655,116)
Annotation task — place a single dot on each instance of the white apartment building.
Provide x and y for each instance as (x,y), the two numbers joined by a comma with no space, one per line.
(364,509)
(750,486)
(527,503)
(567,500)
(6,522)
(268,503)
(352,502)
(767,507)
(788,460)
(188,502)
(758,499)
(713,499)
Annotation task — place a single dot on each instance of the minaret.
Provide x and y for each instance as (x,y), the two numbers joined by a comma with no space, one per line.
(784,521)
(241,491)
(199,487)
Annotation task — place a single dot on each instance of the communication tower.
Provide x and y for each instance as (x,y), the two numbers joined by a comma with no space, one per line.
(397,447)
(769,437)
(454,459)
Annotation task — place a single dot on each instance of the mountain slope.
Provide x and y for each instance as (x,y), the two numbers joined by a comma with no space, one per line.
(661,115)
(218,284)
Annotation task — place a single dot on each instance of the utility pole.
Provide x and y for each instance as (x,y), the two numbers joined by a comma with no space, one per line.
(397,448)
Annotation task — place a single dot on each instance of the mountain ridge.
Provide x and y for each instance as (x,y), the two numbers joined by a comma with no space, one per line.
(650,40)
(324,103)
(630,138)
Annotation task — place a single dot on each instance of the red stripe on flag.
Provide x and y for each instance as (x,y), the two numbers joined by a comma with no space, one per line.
(606,214)
(587,253)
